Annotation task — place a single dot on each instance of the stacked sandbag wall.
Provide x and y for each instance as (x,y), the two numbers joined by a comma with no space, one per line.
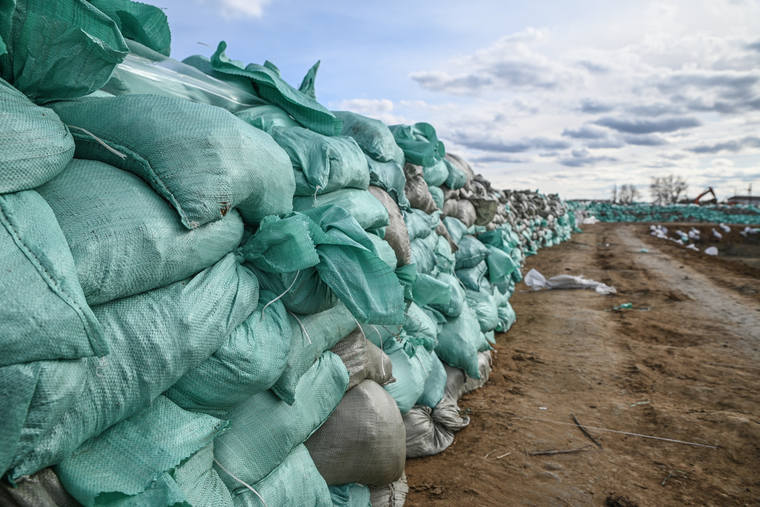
(218,292)
(640,212)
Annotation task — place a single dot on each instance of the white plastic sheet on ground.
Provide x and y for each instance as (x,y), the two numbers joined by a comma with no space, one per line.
(711,250)
(537,281)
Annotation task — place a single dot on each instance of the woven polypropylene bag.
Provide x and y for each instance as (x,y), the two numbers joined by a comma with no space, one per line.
(140,22)
(396,233)
(373,136)
(471,252)
(125,238)
(58,50)
(43,310)
(264,429)
(271,87)
(350,495)
(436,174)
(416,190)
(311,336)
(435,385)
(410,372)
(132,458)
(424,437)
(201,158)
(459,341)
(295,481)
(390,177)
(363,441)
(363,359)
(362,205)
(483,304)
(454,307)
(322,164)
(34,144)
(266,118)
(250,361)
(419,142)
(155,338)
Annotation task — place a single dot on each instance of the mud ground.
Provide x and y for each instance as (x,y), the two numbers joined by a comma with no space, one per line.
(682,364)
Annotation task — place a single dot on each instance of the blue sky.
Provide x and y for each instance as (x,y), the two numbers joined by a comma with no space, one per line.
(562,96)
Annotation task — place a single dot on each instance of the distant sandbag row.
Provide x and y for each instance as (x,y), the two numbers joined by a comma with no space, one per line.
(218,292)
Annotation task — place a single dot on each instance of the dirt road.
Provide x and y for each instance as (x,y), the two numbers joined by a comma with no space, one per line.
(682,364)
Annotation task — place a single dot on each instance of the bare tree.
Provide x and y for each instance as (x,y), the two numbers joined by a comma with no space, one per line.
(667,189)
(628,194)
(614,194)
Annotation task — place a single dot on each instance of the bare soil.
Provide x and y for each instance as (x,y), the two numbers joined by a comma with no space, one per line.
(682,364)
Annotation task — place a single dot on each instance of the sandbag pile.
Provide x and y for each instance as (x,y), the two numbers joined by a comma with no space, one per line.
(219,292)
(640,212)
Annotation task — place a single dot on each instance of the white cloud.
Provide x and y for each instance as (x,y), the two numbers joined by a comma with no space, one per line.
(247,8)
(379,109)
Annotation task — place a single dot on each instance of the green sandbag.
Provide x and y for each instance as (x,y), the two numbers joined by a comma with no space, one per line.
(139,22)
(155,338)
(272,88)
(436,174)
(437,195)
(459,341)
(322,164)
(423,256)
(390,177)
(250,361)
(428,290)
(471,252)
(300,291)
(420,329)
(419,143)
(420,224)
(295,481)
(384,250)
(373,136)
(456,228)
(34,144)
(58,50)
(456,301)
(348,261)
(125,238)
(507,318)
(34,396)
(43,310)
(266,118)
(484,306)
(264,429)
(500,264)
(444,258)
(406,276)
(350,495)
(473,278)
(131,463)
(311,335)
(435,385)
(361,204)
(411,372)
(179,147)
(456,178)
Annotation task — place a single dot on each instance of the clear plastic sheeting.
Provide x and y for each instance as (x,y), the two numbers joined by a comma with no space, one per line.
(537,281)
(145,71)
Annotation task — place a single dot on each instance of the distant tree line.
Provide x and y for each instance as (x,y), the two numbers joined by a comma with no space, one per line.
(663,189)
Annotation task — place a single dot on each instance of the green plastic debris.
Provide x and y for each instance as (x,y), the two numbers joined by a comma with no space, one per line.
(58,50)
(179,147)
(46,146)
(270,86)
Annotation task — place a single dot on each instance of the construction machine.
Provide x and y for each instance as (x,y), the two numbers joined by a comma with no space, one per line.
(709,190)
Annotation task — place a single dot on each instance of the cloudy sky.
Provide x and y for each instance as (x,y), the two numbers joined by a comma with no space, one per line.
(568,96)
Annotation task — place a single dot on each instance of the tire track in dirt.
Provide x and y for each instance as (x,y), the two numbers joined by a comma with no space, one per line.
(641,370)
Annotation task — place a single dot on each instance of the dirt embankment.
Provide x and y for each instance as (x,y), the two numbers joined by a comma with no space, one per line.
(682,364)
